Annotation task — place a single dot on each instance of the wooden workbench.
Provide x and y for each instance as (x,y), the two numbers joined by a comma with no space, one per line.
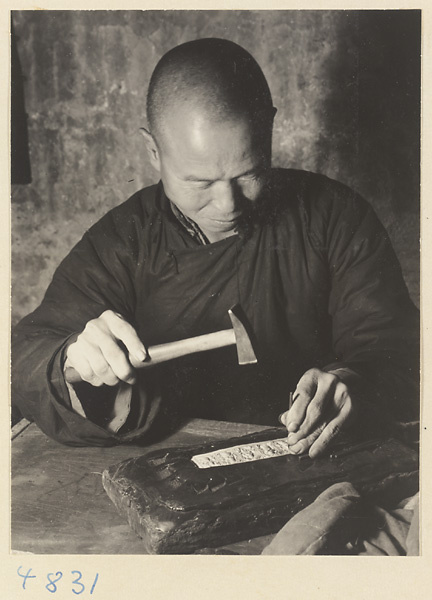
(60,507)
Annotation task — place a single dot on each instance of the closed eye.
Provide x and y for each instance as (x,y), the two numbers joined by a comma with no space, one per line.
(202,185)
(251,176)
(254,173)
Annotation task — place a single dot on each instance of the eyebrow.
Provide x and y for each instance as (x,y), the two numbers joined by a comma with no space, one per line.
(198,179)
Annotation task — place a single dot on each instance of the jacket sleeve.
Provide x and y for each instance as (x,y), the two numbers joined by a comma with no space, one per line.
(97,275)
(374,322)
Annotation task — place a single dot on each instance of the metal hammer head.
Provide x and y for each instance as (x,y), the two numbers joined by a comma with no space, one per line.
(245,352)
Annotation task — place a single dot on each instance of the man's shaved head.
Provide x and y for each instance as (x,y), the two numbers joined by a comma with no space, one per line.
(210,117)
(214,76)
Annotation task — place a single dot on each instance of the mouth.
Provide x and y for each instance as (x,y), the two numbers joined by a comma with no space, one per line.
(227,221)
(223,224)
(232,220)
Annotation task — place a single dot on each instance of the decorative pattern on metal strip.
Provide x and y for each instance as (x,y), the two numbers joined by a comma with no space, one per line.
(242,453)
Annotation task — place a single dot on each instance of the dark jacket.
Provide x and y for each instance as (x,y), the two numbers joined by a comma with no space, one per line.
(318,282)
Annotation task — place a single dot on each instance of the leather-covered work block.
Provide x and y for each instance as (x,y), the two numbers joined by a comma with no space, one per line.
(177,508)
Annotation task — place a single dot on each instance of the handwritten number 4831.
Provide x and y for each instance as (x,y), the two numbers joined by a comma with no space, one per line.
(53,578)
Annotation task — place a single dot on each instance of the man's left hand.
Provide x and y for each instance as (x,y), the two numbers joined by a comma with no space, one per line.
(322,408)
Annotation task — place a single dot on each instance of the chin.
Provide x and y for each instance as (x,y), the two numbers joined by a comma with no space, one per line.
(226,228)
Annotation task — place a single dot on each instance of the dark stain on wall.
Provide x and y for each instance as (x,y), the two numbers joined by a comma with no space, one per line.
(346,85)
(20,158)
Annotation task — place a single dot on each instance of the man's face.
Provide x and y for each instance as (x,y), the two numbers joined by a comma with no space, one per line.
(213,170)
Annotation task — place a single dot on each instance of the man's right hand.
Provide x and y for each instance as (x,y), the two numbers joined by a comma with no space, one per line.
(107,351)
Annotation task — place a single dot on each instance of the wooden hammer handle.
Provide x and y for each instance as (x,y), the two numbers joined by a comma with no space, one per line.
(201,343)
(163,352)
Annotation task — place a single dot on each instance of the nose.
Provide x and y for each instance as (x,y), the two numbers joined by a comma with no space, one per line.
(225,198)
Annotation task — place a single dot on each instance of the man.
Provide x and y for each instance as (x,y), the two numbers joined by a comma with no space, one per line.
(304,256)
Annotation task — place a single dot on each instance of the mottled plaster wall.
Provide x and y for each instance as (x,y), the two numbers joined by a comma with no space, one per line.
(345,84)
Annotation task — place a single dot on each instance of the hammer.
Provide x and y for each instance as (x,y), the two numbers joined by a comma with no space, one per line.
(163,352)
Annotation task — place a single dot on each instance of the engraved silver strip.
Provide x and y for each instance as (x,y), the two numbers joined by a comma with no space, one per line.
(242,453)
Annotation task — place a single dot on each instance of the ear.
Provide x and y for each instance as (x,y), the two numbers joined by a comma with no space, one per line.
(152,148)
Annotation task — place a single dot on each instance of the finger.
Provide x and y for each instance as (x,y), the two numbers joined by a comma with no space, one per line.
(102,369)
(305,443)
(332,430)
(118,362)
(106,333)
(296,414)
(124,332)
(284,418)
(93,366)
(303,394)
(317,407)
(98,363)
(83,367)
